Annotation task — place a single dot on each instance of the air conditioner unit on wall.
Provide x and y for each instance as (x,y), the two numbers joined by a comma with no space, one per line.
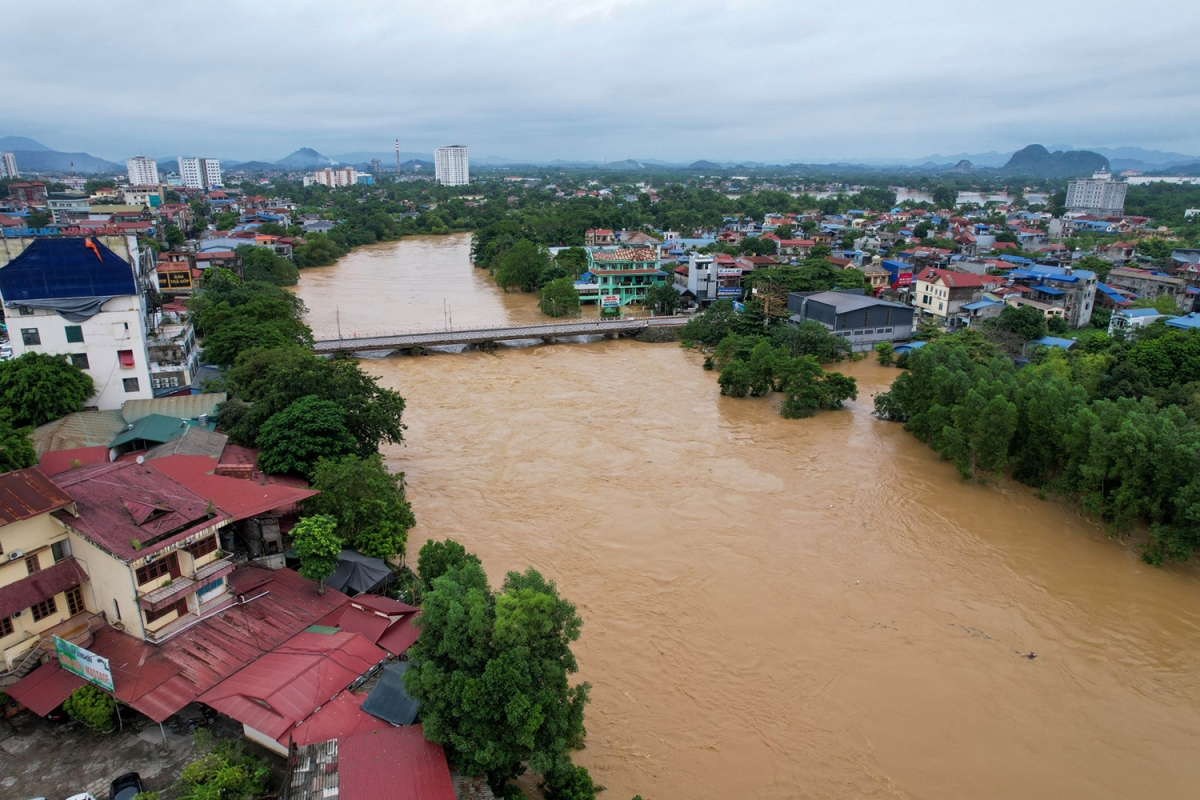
(15,554)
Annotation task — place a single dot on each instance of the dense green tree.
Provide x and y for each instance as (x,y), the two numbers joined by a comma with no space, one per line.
(266,381)
(573,260)
(373,515)
(223,771)
(174,236)
(711,326)
(944,196)
(38,388)
(37,219)
(318,250)
(809,388)
(1157,249)
(435,559)
(885,353)
(265,265)
(1025,322)
(1096,265)
(95,708)
(662,299)
(318,547)
(1163,304)
(225,220)
(294,439)
(558,298)
(521,266)
(811,339)
(1057,326)
(16,448)
(491,671)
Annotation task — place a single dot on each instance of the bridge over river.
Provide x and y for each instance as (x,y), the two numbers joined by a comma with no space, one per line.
(549,333)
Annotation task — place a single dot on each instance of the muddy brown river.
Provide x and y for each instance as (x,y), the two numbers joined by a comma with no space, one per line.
(773,608)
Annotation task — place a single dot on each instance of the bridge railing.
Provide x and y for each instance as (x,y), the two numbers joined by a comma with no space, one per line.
(595,323)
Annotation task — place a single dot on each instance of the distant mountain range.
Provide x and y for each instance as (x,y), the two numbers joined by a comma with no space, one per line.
(1036,161)
(34,156)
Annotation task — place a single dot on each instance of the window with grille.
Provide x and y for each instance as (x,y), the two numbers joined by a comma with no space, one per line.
(44,609)
(75,600)
(80,360)
(32,564)
(202,547)
(163,567)
(6,627)
(130,384)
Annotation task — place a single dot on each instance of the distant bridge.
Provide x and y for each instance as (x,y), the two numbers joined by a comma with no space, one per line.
(549,333)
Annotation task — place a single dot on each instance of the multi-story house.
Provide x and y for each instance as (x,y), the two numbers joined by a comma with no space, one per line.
(41,583)
(599,237)
(77,298)
(625,275)
(148,544)
(68,207)
(942,293)
(1146,283)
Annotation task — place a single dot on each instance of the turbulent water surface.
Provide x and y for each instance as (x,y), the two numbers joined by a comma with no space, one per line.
(773,608)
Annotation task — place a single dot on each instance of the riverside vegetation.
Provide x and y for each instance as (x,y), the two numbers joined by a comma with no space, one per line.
(1113,424)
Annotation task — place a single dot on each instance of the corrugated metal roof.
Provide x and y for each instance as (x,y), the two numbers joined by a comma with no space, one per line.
(57,461)
(26,493)
(242,499)
(81,429)
(188,406)
(395,763)
(153,428)
(42,585)
(43,689)
(194,442)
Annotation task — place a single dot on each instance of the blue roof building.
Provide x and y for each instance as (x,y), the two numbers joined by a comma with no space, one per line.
(1188,322)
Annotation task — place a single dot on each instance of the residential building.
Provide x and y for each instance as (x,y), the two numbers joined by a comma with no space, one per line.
(1151,284)
(333,177)
(1048,310)
(942,293)
(1072,289)
(143,196)
(150,547)
(877,275)
(599,237)
(67,207)
(40,581)
(451,166)
(1099,195)
(200,173)
(76,297)
(8,166)
(862,319)
(971,315)
(142,171)
(625,274)
(31,193)
(702,280)
(1130,319)
(1188,322)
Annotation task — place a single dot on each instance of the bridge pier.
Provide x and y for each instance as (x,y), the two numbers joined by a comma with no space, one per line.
(550,340)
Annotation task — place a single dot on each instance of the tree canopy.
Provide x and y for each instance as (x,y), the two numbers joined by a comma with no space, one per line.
(558,298)
(318,547)
(309,429)
(521,266)
(38,388)
(373,515)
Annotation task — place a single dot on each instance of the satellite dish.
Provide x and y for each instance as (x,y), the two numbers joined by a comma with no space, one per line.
(141,459)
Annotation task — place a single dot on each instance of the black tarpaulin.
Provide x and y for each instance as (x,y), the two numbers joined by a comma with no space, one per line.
(357,573)
(388,700)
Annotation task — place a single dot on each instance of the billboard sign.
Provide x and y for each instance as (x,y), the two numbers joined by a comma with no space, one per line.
(729,291)
(610,301)
(84,663)
(181,279)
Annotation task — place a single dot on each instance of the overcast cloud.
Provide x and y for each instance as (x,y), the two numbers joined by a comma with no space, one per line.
(602,79)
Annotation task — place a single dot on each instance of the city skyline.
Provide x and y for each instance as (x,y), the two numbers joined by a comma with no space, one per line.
(603,80)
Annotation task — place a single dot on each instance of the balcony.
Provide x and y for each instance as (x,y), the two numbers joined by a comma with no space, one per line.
(164,596)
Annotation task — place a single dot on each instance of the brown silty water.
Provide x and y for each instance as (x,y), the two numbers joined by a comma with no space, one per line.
(775,608)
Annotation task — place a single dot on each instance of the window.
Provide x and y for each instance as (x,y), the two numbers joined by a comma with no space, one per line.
(179,607)
(74,334)
(6,627)
(30,336)
(202,547)
(80,360)
(32,564)
(125,357)
(163,567)
(75,600)
(130,384)
(44,609)
(61,550)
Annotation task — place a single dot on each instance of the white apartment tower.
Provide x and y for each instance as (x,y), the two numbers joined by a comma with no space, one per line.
(8,166)
(200,173)
(142,171)
(1099,196)
(450,165)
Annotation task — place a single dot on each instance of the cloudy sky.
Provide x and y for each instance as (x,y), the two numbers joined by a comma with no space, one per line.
(677,80)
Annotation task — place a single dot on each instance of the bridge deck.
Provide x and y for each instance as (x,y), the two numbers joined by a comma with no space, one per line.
(404,341)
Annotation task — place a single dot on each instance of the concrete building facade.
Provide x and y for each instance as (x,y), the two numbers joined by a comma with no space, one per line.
(142,171)
(451,166)
(1099,195)
(861,319)
(200,173)
(8,166)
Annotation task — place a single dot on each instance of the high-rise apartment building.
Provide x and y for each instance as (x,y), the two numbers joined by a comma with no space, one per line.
(200,173)
(1099,195)
(142,171)
(333,177)
(450,165)
(8,166)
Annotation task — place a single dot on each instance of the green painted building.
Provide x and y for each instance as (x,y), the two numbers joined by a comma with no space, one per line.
(625,273)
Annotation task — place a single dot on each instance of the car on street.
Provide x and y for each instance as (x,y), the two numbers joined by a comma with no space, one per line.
(125,787)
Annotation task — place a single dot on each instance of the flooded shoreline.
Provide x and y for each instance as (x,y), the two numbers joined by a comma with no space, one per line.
(774,608)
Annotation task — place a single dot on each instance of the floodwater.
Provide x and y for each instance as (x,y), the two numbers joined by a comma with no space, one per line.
(782,609)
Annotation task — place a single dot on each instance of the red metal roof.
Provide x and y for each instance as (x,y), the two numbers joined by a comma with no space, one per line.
(242,499)
(393,633)
(43,689)
(57,461)
(340,717)
(953,280)
(42,585)
(384,605)
(160,680)
(26,493)
(400,635)
(395,763)
(180,512)
(285,686)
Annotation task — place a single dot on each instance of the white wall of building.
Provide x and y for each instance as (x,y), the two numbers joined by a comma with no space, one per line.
(142,171)
(189,172)
(118,327)
(1100,194)
(8,166)
(451,166)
